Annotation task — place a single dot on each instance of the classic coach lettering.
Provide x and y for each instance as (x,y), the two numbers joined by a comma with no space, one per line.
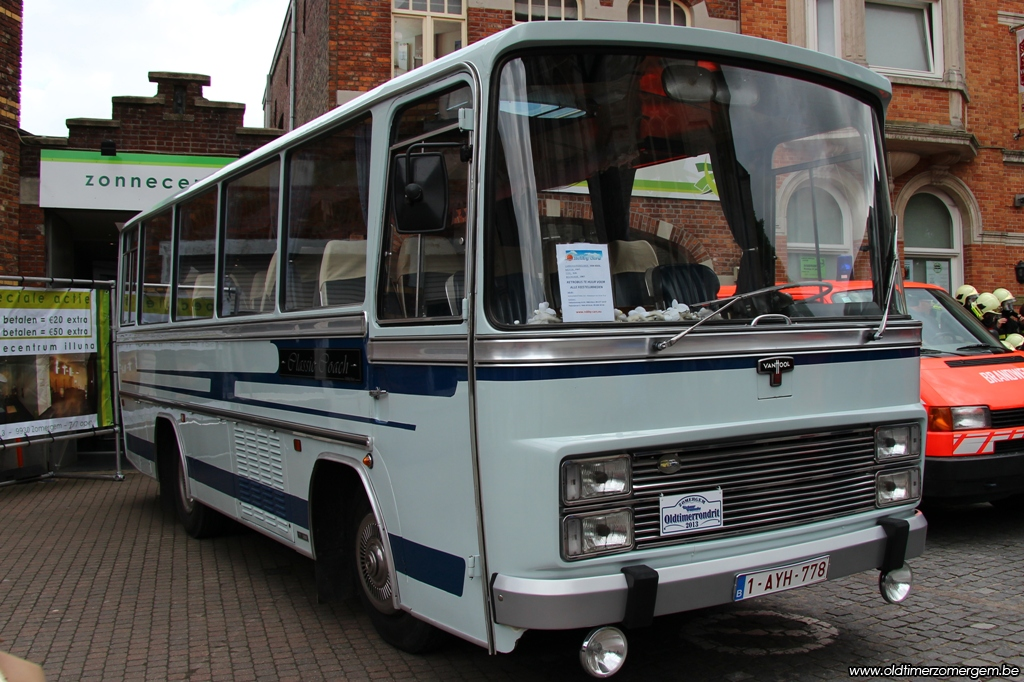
(320,363)
(136,182)
(775,367)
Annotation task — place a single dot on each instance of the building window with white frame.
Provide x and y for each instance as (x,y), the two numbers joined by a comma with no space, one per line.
(931,234)
(546,10)
(823,21)
(665,12)
(425,30)
(904,38)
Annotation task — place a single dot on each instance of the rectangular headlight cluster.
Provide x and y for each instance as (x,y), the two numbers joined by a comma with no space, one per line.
(599,533)
(595,478)
(897,487)
(897,441)
(959,418)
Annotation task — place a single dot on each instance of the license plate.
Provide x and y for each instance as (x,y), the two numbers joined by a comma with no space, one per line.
(781,579)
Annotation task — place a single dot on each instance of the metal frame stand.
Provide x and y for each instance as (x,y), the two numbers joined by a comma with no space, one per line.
(115,429)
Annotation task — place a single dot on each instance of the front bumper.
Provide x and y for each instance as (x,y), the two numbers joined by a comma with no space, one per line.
(976,478)
(600,600)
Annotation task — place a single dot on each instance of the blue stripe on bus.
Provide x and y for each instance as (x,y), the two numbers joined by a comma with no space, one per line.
(141,447)
(428,565)
(591,370)
(277,502)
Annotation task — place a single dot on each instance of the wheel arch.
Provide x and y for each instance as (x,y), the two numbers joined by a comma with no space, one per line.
(335,487)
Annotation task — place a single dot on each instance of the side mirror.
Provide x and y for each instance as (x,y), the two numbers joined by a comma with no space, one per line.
(419,193)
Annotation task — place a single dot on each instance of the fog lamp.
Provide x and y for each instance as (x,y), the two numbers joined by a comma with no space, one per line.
(597,477)
(897,440)
(599,533)
(895,585)
(897,487)
(603,651)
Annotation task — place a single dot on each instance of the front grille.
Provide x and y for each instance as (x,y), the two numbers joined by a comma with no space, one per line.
(1002,419)
(767,483)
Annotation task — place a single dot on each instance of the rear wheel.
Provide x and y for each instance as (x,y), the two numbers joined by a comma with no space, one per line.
(398,628)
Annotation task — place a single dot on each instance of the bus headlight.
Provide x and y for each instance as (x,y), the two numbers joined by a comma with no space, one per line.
(597,477)
(897,440)
(598,533)
(897,487)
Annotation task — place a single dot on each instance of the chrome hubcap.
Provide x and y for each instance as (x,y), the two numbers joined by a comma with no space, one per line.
(373,565)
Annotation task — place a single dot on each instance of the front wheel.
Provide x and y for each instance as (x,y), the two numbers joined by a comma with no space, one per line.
(398,628)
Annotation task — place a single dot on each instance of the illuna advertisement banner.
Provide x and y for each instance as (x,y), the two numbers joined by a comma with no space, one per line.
(54,361)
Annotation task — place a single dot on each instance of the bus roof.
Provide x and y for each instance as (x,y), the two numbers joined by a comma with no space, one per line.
(484,54)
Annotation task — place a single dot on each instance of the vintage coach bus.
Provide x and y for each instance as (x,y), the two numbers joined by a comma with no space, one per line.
(464,340)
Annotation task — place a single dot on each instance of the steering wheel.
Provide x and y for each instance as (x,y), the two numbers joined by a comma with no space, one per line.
(826,289)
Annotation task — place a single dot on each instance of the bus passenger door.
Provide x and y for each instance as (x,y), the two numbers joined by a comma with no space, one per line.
(418,356)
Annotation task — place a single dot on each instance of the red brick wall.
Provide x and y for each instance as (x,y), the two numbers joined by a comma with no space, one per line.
(10,121)
(486,22)
(313,91)
(919,105)
(764,19)
(360,44)
(723,9)
(150,124)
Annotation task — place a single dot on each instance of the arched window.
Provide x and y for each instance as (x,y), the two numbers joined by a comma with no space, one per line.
(931,239)
(547,10)
(815,218)
(663,12)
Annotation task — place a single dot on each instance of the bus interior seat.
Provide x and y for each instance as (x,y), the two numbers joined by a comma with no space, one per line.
(441,260)
(687,283)
(203,294)
(631,262)
(455,291)
(343,272)
(269,288)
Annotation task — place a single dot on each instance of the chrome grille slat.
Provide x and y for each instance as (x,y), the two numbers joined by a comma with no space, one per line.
(766,483)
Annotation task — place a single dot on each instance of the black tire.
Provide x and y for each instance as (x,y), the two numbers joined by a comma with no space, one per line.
(198,520)
(398,628)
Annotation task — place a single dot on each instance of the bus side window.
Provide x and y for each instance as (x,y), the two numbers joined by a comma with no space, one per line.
(328,200)
(156,268)
(197,232)
(422,275)
(129,276)
(250,240)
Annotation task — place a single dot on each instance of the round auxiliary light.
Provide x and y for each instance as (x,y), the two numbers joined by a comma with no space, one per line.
(895,585)
(603,651)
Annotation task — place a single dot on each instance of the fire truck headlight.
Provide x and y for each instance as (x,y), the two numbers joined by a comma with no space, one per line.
(897,487)
(599,533)
(896,441)
(596,477)
(974,417)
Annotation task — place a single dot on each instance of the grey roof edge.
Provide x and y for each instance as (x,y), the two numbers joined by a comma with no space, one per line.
(483,54)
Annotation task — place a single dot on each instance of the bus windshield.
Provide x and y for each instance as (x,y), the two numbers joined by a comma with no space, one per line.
(645,188)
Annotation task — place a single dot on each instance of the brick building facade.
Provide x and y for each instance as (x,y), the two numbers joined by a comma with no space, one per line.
(956,156)
(65,240)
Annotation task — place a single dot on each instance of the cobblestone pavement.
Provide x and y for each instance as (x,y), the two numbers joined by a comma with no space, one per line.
(99,584)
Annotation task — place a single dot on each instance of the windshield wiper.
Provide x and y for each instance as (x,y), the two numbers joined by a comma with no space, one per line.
(933,351)
(892,282)
(983,346)
(668,343)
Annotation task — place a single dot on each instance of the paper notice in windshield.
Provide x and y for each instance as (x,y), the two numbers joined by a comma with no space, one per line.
(585,280)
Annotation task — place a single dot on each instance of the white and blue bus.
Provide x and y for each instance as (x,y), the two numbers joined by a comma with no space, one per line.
(539,336)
